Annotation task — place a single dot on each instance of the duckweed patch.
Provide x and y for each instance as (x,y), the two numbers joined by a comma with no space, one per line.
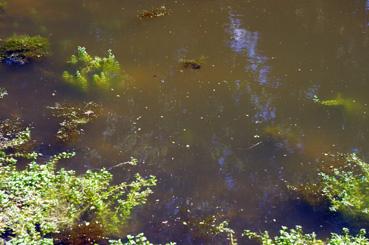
(22,49)
(89,72)
(73,118)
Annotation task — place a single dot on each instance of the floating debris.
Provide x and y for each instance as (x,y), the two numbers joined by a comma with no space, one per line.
(20,50)
(194,64)
(73,118)
(153,13)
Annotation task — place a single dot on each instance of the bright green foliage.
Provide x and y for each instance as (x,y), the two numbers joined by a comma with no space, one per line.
(93,72)
(347,188)
(140,239)
(286,237)
(23,49)
(347,239)
(223,228)
(296,236)
(41,200)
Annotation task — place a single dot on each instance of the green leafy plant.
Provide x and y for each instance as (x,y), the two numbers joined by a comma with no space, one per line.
(296,236)
(94,72)
(21,49)
(73,118)
(41,200)
(347,188)
(139,239)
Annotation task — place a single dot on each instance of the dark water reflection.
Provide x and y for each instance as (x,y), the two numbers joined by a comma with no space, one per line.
(223,139)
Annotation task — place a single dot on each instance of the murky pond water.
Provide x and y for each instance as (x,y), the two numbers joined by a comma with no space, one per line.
(223,139)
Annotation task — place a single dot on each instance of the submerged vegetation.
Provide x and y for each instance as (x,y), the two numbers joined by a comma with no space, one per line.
(349,105)
(22,49)
(73,118)
(94,72)
(153,13)
(192,63)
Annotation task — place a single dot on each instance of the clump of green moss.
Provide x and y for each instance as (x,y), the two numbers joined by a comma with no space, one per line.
(153,13)
(73,118)
(94,72)
(22,49)
(296,236)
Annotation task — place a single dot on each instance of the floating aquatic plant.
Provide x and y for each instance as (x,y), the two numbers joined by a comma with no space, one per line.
(73,118)
(153,13)
(22,49)
(93,72)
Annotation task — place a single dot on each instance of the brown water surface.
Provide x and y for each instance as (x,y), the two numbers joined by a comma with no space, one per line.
(222,139)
